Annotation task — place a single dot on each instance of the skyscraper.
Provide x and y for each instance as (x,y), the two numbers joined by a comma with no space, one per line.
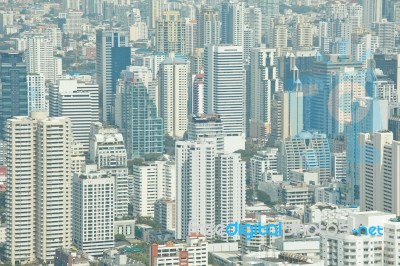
(40,58)
(112,56)
(195,199)
(38,228)
(36,93)
(77,101)
(209,27)
(264,83)
(230,184)
(93,211)
(173,96)
(372,12)
(224,87)
(107,150)
(287,114)
(171,33)
(14,89)
(142,129)
(379,172)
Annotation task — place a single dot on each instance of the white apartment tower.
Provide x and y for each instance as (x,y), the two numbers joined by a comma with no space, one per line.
(93,211)
(379,172)
(39,187)
(230,185)
(79,102)
(195,172)
(173,95)
(372,12)
(107,150)
(36,93)
(40,58)
(224,83)
(152,182)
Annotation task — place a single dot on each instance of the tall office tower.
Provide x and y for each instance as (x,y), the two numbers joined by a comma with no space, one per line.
(112,56)
(363,46)
(386,35)
(368,116)
(379,86)
(264,83)
(347,85)
(171,33)
(152,182)
(93,211)
(36,93)
(303,36)
(38,228)
(14,89)
(226,22)
(142,129)
(372,12)
(394,122)
(287,115)
(196,95)
(335,82)
(195,174)
(77,101)
(269,9)
(209,26)
(225,93)
(207,126)
(230,187)
(40,58)
(107,150)
(248,43)
(379,172)
(173,95)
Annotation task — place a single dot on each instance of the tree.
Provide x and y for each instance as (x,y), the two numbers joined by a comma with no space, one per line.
(119,237)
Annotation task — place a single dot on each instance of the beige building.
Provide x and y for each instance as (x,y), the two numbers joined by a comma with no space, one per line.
(39,191)
(171,33)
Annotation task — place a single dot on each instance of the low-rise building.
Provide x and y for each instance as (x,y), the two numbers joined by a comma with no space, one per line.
(193,252)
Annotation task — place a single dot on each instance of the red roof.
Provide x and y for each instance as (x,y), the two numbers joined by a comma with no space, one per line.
(3,170)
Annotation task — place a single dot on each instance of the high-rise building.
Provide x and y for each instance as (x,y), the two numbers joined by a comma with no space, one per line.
(196,95)
(142,129)
(386,35)
(112,56)
(152,182)
(269,9)
(93,211)
(36,93)
(42,171)
(107,150)
(264,83)
(264,163)
(379,171)
(14,89)
(225,91)
(207,126)
(372,12)
(208,27)
(40,58)
(173,96)
(286,114)
(77,101)
(368,116)
(195,198)
(171,33)
(230,186)
(156,9)
(394,122)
